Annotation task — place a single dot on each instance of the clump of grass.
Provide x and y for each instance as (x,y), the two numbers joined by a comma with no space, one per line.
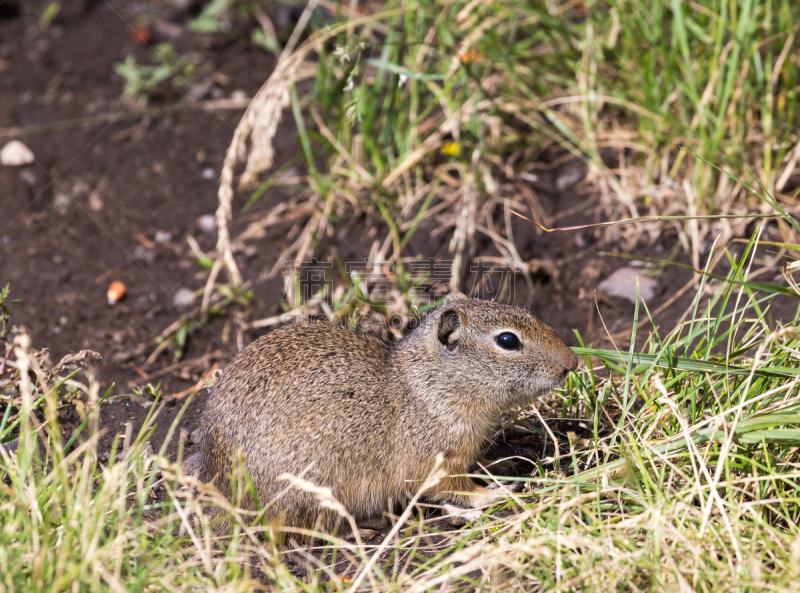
(76,518)
(11,377)
(144,82)
(684,475)
(441,111)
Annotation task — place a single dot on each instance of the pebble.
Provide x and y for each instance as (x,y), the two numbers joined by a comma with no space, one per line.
(95,201)
(570,174)
(622,285)
(141,400)
(62,202)
(144,254)
(80,189)
(163,237)
(207,223)
(28,177)
(183,298)
(209,173)
(16,154)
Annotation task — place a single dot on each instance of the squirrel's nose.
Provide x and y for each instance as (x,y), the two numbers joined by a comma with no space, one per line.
(572,363)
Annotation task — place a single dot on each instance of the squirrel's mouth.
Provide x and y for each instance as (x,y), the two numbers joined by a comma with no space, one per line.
(539,388)
(548,385)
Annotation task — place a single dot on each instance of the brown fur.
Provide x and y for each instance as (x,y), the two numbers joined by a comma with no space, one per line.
(366,418)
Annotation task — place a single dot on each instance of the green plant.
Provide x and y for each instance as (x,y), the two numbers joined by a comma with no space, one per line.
(71,521)
(6,306)
(142,81)
(178,333)
(208,19)
(684,97)
(49,13)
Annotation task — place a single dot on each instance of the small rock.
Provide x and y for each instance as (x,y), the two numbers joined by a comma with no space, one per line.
(95,201)
(80,189)
(622,285)
(16,154)
(141,400)
(163,237)
(28,177)
(570,174)
(183,298)
(207,223)
(209,173)
(62,202)
(239,96)
(143,254)
(124,356)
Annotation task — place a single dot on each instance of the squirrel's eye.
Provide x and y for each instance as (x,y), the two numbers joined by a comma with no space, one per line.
(508,341)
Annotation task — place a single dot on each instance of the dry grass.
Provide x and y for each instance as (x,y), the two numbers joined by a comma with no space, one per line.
(683,475)
(444,111)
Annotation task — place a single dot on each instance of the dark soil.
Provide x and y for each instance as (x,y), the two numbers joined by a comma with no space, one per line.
(88,211)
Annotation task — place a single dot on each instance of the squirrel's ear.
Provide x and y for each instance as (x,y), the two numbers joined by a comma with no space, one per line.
(449,330)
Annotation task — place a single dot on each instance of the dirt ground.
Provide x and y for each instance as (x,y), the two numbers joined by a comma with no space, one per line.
(117,201)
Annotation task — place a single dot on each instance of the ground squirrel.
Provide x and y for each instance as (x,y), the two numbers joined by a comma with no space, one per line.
(367,418)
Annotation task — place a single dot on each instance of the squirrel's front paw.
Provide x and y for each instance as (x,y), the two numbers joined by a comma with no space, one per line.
(458,517)
(500,488)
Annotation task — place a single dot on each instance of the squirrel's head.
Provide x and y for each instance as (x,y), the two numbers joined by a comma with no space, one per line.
(500,350)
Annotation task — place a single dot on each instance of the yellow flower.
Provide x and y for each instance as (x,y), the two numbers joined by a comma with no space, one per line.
(450,149)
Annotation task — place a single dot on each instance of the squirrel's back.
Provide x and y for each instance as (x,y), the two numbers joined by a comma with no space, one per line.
(313,399)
